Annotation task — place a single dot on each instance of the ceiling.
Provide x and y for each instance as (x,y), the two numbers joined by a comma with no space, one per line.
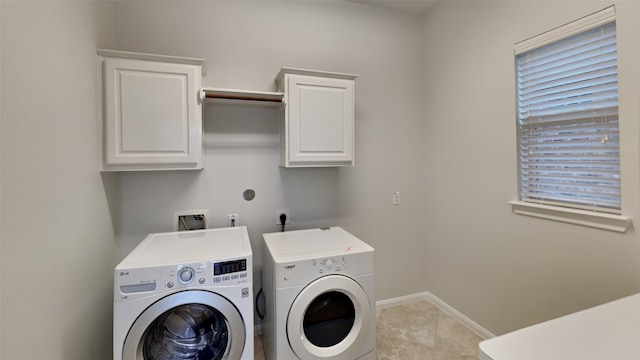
(418,7)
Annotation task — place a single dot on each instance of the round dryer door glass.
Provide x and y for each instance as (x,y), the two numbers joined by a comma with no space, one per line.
(329,319)
(190,331)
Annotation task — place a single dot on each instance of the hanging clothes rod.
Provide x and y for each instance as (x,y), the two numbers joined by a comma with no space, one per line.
(248,95)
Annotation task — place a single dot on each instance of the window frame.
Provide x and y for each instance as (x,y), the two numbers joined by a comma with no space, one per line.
(606,220)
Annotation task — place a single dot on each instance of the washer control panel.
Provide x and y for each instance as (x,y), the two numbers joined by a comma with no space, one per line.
(230,271)
(186,275)
(206,274)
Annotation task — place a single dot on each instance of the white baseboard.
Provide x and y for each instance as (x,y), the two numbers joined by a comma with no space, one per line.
(407,299)
(470,324)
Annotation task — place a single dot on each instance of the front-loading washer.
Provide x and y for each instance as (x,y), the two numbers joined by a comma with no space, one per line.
(319,296)
(185,295)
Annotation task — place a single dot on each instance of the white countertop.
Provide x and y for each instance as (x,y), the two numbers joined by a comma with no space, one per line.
(610,331)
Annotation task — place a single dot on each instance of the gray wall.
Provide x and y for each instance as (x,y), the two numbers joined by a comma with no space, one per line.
(434,120)
(502,270)
(58,247)
(245,44)
(65,225)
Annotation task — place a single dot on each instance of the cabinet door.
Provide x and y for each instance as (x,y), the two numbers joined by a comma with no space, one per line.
(320,121)
(153,117)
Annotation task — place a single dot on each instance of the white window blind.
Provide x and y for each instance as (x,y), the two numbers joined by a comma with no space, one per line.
(568,119)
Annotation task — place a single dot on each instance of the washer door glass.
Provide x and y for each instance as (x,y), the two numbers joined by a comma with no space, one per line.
(191,331)
(188,325)
(329,319)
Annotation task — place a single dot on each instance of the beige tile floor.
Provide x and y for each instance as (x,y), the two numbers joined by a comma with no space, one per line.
(416,331)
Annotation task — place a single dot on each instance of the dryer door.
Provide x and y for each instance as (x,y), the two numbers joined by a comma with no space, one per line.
(191,324)
(330,318)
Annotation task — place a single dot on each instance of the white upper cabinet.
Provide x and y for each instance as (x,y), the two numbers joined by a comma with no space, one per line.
(317,126)
(152,112)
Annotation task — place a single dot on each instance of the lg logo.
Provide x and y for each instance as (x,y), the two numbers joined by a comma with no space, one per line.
(124,273)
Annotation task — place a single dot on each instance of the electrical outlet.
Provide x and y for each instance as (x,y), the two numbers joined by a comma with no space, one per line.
(232,220)
(396,198)
(185,220)
(286,213)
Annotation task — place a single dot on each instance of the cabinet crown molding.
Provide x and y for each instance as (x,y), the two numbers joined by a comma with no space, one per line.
(154,57)
(327,74)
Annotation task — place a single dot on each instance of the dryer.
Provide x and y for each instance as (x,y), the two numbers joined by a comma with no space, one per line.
(185,295)
(319,296)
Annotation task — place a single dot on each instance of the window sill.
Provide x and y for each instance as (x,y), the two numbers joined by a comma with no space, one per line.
(610,222)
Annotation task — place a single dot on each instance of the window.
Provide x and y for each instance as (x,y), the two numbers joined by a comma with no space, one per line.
(567,112)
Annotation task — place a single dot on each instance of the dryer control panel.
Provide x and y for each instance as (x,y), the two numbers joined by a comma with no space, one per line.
(301,272)
(332,264)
